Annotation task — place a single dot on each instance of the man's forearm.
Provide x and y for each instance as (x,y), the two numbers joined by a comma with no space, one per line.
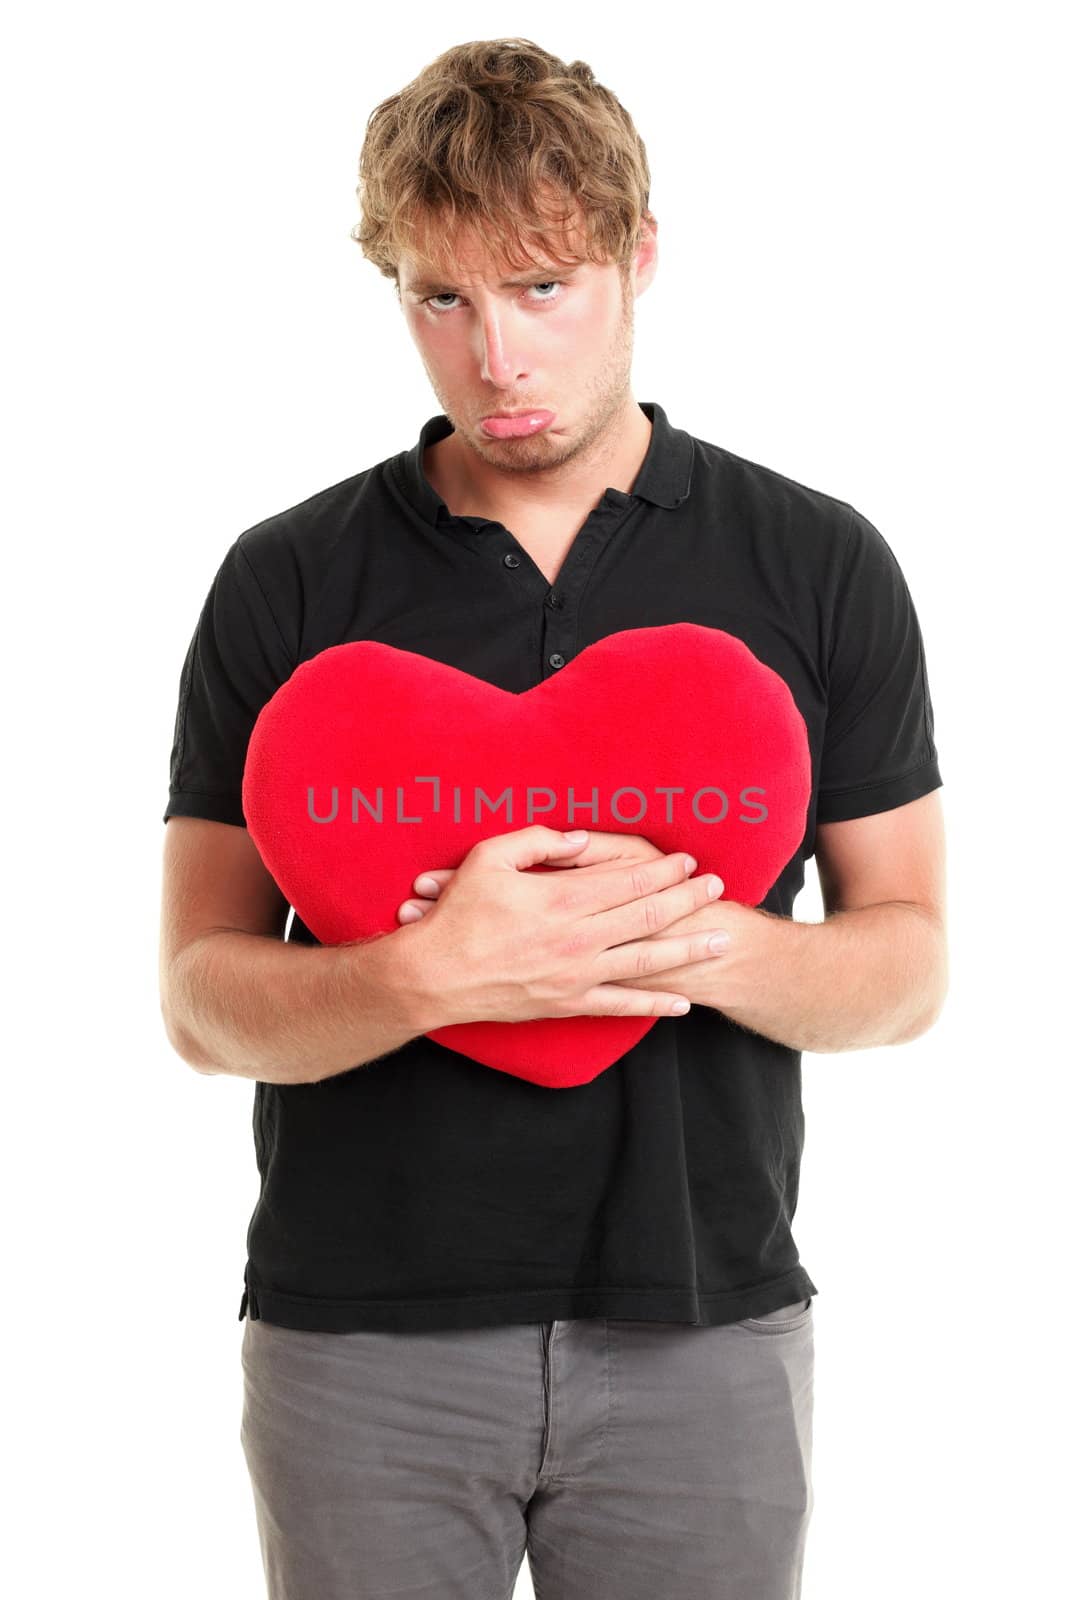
(873,976)
(257,1007)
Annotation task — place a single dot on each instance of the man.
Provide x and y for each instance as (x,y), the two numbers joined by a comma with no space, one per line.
(483,1318)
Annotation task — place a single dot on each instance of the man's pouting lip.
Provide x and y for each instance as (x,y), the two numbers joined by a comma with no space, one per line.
(517,425)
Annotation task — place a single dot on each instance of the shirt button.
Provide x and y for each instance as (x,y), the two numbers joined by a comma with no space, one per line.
(557,660)
(511,559)
(554,601)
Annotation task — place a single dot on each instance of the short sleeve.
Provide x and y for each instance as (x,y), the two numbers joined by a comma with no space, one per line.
(878,747)
(236,660)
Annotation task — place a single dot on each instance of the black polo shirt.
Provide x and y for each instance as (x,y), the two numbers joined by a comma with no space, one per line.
(424,1190)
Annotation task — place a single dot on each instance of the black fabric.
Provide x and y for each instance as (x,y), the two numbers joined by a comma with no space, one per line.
(423,1190)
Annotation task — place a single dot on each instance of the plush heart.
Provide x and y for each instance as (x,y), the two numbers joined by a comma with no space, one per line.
(372,764)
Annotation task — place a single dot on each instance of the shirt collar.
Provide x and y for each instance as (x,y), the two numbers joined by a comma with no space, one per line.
(664,478)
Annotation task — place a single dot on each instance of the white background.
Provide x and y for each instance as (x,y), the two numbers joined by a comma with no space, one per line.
(860,286)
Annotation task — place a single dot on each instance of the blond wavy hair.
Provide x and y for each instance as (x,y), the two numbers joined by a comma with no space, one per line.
(500,137)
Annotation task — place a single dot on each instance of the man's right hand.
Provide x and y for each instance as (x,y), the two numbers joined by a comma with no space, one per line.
(503,944)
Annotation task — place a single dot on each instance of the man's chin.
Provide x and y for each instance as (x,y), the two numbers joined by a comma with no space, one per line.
(538,449)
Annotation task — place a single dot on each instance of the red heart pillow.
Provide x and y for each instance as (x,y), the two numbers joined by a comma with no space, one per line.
(372,764)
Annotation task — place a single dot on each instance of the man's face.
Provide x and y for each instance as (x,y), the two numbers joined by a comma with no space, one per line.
(560,340)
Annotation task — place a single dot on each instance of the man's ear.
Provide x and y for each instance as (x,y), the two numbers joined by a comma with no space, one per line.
(646,256)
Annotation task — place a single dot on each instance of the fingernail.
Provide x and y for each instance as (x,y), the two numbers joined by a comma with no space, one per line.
(690,863)
(426,883)
(408,913)
(718,941)
(680,1007)
(714,887)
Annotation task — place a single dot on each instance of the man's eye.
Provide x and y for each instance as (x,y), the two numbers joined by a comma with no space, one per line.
(547,283)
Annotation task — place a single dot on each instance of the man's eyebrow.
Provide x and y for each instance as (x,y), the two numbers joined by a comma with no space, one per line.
(541,275)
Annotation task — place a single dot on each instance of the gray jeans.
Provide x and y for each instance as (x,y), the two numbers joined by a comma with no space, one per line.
(624,1459)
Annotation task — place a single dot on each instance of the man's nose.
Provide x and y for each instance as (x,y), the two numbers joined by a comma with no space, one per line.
(499,348)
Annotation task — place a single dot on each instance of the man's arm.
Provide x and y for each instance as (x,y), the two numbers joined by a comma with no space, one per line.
(874,972)
(236,998)
(288,1013)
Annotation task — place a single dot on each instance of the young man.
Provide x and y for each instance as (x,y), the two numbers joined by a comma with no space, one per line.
(483,1318)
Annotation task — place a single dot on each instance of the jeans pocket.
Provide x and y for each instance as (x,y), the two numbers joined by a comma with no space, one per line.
(780,1321)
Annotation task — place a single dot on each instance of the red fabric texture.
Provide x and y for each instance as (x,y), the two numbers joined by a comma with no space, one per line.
(677,706)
